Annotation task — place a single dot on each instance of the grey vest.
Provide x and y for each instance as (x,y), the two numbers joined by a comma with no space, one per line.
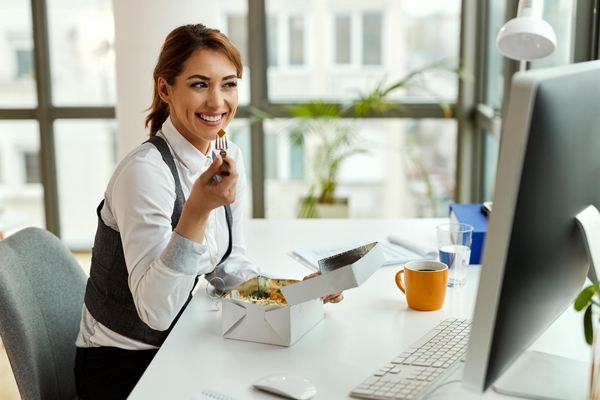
(107,295)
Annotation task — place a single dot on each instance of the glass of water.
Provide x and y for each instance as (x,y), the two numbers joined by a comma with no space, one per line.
(454,245)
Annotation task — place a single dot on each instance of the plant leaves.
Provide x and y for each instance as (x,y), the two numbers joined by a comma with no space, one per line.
(587,325)
(585,297)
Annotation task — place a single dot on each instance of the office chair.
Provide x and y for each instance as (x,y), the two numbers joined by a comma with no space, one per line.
(41,293)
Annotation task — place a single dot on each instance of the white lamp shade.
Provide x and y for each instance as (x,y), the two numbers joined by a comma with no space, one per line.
(526,38)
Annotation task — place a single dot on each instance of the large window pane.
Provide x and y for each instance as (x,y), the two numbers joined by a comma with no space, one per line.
(494,60)
(491,148)
(21,193)
(559,14)
(234,23)
(407,171)
(82,56)
(372,39)
(86,159)
(336,50)
(296,45)
(238,132)
(342,40)
(17,70)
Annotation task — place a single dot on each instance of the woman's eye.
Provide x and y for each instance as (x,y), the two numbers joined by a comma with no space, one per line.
(231,84)
(199,85)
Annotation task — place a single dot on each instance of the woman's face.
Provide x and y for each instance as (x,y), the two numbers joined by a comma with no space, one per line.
(204,98)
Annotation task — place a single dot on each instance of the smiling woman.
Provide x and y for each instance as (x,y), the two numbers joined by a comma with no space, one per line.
(168,216)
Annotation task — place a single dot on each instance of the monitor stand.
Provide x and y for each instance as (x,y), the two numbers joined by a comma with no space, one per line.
(543,376)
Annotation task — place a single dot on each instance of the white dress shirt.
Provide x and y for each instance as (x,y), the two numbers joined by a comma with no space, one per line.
(162,265)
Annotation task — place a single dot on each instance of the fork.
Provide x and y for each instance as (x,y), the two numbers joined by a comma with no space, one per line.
(221,144)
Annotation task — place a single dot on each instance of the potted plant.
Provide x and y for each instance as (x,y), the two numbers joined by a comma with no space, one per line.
(585,301)
(334,138)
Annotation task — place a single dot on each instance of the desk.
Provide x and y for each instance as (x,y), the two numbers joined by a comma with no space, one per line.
(358,336)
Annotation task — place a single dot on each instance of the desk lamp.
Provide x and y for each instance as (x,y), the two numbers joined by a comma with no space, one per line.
(527,37)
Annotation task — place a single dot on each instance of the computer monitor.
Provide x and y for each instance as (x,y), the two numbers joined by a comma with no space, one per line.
(535,259)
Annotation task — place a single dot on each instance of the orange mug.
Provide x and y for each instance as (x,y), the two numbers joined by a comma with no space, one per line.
(424,284)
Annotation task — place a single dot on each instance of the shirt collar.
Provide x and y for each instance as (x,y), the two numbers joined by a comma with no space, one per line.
(187,154)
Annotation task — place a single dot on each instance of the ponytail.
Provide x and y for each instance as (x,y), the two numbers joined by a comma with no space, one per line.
(159,112)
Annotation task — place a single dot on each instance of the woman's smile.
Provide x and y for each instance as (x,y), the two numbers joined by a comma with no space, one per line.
(211,119)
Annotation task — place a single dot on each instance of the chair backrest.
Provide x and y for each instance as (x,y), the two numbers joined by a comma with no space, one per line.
(41,296)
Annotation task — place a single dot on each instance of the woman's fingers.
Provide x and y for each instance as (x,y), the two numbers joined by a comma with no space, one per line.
(333,298)
(312,275)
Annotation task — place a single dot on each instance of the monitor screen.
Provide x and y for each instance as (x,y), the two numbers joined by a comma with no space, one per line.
(535,260)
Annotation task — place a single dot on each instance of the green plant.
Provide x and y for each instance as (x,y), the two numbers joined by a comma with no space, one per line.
(334,137)
(585,299)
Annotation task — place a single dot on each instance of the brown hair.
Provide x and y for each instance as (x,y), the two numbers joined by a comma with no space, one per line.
(179,45)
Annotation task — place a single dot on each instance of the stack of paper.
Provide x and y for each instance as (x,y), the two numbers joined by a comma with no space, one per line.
(395,251)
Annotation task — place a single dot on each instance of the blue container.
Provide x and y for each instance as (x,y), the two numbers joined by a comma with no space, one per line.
(471,214)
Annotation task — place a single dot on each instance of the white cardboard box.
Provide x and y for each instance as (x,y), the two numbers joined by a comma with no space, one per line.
(283,326)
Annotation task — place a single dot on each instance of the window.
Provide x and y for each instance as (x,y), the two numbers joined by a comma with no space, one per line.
(19,165)
(342,40)
(32,167)
(17,78)
(82,55)
(272,41)
(350,47)
(24,63)
(237,31)
(235,26)
(411,169)
(296,40)
(85,160)
(372,39)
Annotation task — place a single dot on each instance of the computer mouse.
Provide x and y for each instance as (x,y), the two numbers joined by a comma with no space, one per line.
(289,386)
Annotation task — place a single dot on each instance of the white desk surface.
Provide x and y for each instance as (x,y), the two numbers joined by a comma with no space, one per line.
(358,336)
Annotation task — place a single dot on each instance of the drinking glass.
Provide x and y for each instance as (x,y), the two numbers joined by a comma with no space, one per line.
(454,245)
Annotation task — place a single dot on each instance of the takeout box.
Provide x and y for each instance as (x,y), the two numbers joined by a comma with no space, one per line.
(284,325)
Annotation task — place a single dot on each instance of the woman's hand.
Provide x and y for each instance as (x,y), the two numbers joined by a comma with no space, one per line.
(207,194)
(332,298)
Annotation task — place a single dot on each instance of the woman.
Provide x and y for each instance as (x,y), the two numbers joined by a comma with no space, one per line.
(167,216)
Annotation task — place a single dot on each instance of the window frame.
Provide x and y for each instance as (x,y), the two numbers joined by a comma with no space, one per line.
(468,114)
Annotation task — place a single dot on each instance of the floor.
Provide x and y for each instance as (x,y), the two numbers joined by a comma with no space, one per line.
(8,386)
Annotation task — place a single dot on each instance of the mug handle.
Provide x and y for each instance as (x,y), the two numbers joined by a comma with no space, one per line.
(399,281)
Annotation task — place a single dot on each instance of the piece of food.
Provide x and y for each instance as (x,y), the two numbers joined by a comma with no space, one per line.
(261,290)
(221,133)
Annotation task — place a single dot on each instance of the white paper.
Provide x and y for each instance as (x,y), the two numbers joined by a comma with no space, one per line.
(395,251)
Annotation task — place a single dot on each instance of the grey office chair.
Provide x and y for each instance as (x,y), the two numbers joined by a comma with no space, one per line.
(41,296)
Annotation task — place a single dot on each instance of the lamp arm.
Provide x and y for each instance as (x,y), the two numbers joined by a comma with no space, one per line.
(531,8)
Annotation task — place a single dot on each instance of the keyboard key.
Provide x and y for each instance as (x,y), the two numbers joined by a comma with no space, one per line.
(363,391)
(380,373)
(371,380)
(437,364)
(398,360)
(409,360)
(424,363)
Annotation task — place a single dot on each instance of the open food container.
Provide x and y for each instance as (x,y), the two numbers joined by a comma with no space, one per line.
(281,311)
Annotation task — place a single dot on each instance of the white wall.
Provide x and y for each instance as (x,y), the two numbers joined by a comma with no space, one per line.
(141,27)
